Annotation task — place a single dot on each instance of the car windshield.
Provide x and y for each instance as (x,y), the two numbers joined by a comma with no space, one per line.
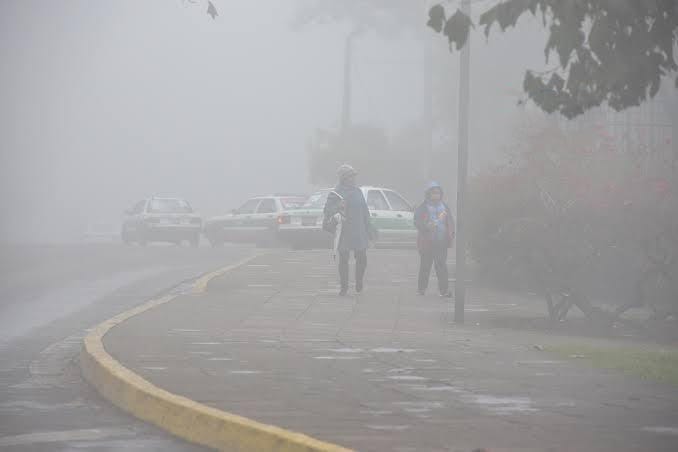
(169,206)
(292,203)
(397,201)
(316,200)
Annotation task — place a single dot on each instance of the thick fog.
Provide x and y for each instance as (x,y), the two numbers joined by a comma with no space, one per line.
(105,103)
(252,224)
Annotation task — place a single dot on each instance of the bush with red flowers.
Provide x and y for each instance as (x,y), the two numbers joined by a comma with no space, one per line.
(572,213)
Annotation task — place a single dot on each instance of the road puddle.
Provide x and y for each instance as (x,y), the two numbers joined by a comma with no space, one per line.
(505,405)
(662,430)
(419,407)
(389,427)
(392,350)
(443,388)
(539,363)
(342,358)
(407,378)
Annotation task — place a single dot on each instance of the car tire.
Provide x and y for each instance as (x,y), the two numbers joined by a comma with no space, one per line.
(124,235)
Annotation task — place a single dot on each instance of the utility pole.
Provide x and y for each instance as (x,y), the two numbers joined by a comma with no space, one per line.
(428,105)
(346,99)
(673,109)
(462,168)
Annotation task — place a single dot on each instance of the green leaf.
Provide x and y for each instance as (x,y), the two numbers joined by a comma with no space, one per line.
(654,87)
(556,82)
(614,52)
(212,10)
(487,19)
(600,37)
(506,14)
(564,39)
(530,82)
(457,29)
(436,17)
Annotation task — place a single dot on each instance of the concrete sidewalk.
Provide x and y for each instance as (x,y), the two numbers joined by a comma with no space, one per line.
(385,370)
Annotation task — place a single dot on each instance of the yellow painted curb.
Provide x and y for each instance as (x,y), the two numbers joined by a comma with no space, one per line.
(179,415)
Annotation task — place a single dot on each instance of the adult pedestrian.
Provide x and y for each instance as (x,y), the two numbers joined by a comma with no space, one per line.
(347,215)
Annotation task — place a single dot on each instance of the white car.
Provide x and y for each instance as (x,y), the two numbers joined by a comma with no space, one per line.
(391,214)
(256,221)
(161,220)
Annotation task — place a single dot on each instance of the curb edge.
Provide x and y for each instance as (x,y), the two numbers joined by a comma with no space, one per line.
(178,415)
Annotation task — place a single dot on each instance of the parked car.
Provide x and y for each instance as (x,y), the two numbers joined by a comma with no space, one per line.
(161,220)
(256,221)
(391,214)
(304,228)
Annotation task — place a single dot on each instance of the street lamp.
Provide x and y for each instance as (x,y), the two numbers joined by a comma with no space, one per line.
(462,169)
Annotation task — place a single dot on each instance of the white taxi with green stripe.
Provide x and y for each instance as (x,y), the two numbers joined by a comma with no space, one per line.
(391,214)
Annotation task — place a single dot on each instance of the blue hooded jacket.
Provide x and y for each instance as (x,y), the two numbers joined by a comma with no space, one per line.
(427,235)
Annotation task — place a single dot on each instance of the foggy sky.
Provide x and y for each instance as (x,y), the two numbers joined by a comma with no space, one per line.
(107,102)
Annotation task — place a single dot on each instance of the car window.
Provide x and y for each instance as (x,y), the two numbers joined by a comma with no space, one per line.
(267,206)
(397,202)
(249,207)
(139,207)
(169,205)
(316,200)
(291,203)
(376,200)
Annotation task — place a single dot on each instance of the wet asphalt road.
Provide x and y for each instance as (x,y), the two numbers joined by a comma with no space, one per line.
(49,297)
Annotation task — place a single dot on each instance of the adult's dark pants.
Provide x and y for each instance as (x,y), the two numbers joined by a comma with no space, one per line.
(360,266)
(436,254)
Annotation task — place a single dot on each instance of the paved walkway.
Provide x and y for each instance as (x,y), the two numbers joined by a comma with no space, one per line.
(385,370)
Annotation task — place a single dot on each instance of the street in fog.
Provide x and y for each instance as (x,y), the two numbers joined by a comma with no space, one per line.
(322,225)
(51,295)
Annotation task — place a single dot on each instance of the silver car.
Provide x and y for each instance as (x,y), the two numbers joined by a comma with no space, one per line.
(257,221)
(161,220)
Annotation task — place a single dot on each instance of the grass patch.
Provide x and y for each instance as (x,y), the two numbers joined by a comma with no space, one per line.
(661,365)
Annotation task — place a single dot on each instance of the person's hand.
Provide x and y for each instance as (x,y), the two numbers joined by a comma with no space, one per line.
(442,215)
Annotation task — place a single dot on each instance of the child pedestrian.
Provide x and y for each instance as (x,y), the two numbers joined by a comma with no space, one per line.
(435,227)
